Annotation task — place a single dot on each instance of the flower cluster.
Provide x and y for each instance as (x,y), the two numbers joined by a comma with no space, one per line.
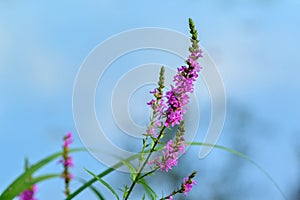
(171,151)
(188,183)
(184,80)
(178,97)
(186,186)
(67,162)
(28,194)
(170,156)
(172,112)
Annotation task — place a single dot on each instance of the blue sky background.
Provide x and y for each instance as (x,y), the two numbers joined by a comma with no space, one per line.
(255,45)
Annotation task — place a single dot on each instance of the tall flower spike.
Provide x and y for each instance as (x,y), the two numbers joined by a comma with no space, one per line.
(177,97)
(67,162)
(29,193)
(170,114)
(158,106)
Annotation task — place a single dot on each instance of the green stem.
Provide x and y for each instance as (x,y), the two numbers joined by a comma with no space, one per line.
(144,164)
(146,174)
(172,194)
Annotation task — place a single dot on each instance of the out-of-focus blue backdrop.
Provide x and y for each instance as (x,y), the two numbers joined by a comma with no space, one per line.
(255,45)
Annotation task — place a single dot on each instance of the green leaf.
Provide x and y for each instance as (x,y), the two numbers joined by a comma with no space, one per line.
(97,192)
(125,191)
(28,184)
(149,191)
(38,179)
(43,178)
(18,185)
(241,155)
(131,168)
(104,183)
(102,174)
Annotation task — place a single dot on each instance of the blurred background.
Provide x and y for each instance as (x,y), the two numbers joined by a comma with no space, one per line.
(255,45)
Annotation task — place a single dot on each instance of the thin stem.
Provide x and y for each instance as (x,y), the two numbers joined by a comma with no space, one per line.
(146,174)
(144,164)
(143,149)
(172,194)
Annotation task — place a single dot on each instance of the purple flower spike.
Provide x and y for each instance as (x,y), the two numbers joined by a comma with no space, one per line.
(67,162)
(177,97)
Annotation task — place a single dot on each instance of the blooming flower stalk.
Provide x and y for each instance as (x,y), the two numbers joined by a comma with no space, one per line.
(67,162)
(188,183)
(186,186)
(158,106)
(168,111)
(177,99)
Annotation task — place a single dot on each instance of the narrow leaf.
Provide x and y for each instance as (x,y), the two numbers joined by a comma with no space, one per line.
(241,155)
(131,168)
(102,174)
(38,179)
(17,186)
(104,183)
(95,190)
(149,191)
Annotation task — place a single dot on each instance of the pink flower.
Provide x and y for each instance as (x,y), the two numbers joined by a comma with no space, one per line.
(171,114)
(177,97)
(69,162)
(70,176)
(170,155)
(28,194)
(68,140)
(170,197)
(151,131)
(188,184)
